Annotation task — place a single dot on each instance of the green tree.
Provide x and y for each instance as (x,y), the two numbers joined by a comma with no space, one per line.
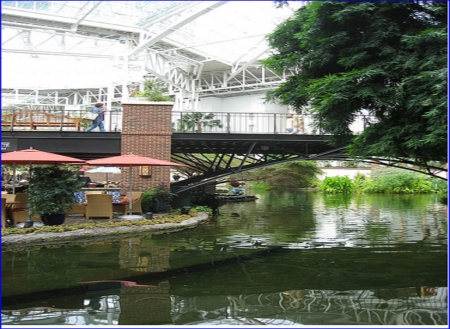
(296,174)
(385,59)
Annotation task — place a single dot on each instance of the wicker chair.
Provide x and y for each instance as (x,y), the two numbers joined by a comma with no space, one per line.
(124,206)
(99,205)
(78,209)
(3,212)
(19,211)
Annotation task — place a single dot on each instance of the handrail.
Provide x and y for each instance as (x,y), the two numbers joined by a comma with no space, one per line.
(185,122)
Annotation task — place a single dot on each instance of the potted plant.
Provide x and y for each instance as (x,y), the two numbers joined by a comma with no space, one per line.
(52,193)
(196,120)
(153,91)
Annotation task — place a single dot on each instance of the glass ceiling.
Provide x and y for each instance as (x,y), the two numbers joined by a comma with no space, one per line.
(232,32)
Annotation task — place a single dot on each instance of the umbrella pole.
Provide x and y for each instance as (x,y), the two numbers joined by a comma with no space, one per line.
(130,201)
(14,179)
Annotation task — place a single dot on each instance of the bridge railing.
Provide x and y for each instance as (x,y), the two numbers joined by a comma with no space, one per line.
(55,120)
(252,123)
(186,122)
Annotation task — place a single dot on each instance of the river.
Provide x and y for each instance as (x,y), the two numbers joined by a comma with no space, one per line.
(289,258)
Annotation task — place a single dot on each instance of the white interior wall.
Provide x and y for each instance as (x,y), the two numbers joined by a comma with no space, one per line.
(247,104)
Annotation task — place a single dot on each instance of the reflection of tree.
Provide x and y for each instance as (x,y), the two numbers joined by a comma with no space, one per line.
(404,307)
(337,200)
(154,306)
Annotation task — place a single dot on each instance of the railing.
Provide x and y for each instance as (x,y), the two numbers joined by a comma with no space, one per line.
(186,122)
(252,123)
(55,120)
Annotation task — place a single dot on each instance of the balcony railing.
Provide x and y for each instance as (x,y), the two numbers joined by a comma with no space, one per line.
(186,122)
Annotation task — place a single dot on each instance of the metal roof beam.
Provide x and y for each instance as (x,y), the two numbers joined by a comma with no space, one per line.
(85,14)
(174,27)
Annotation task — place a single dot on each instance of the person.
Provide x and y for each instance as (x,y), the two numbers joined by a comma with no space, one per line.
(98,122)
(289,123)
(297,124)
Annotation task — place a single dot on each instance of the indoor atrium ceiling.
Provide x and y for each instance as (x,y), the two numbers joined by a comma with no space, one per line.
(199,48)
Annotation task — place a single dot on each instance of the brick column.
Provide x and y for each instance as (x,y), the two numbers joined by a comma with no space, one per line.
(146,131)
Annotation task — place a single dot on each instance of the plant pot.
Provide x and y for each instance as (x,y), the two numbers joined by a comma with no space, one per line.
(159,205)
(53,219)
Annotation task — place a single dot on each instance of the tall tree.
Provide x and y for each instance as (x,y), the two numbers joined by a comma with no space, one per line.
(386,59)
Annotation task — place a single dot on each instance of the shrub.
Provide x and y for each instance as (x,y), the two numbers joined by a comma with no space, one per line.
(337,184)
(149,198)
(393,180)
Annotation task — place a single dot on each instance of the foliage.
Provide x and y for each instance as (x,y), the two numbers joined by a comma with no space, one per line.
(52,190)
(443,195)
(337,184)
(199,197)
(171,218)
(261,186)
(394,180)
(293,174)
(153,90)
(196,120)
(149,197)
(387,59)
(358,182)
(203,209)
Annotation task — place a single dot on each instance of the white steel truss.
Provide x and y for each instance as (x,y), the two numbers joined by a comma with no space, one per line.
(133,52)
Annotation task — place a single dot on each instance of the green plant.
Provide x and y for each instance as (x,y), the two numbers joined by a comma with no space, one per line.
(293,174)
(199,197)
(149,197)
(394,180)
(153,90)
(337,184)
(203,209)
(358,182)
(196,120)
(52,190)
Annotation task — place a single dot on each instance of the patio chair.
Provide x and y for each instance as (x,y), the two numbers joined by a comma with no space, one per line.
(19,211)
(78,209)
(3,212)
(124,205)
(99,205)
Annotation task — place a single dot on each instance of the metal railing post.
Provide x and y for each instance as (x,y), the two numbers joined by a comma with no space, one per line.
(62,120)
(275,123)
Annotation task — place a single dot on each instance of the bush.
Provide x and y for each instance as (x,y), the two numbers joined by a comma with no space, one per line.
(393,180)
(337,184)
(150,197)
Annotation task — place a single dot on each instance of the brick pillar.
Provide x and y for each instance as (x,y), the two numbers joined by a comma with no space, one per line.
(146,131)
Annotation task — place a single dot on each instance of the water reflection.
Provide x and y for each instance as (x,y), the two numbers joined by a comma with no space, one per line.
(288,258)
(133,304)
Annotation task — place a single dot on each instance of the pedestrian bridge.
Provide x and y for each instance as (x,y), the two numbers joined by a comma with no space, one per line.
(214,144)
(213,154)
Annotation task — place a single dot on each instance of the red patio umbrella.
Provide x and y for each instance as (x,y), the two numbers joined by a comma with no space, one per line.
(131,160)
(33,156)
(36,157)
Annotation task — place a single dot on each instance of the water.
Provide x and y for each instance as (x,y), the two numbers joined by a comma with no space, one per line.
(289,258)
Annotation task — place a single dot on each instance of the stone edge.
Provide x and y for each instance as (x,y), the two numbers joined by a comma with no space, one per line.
(98,234)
